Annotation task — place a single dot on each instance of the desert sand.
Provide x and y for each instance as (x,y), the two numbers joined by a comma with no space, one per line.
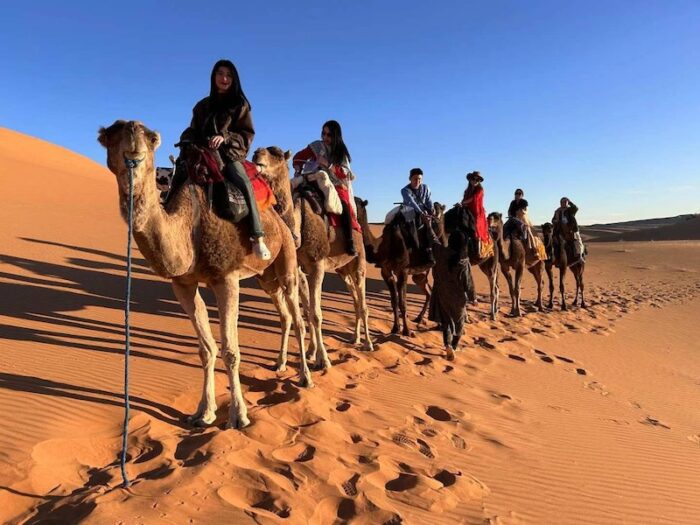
(585,416)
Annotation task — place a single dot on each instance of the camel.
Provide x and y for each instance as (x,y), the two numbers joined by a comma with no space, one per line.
(561,253)
(396,262)
(322,249)
(188,244)
(460,216)
(513,256)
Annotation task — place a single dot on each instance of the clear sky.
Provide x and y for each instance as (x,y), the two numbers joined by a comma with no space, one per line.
(598,100)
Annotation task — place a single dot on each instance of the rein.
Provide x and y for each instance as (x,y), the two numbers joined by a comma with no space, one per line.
(131,164)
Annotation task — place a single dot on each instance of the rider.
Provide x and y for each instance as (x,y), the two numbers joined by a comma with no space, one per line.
(518,211)
(416,196)
(565,215)
(222,121)
(474,201)
(327,162)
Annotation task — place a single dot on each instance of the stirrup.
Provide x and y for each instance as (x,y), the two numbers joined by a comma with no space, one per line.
(260,249)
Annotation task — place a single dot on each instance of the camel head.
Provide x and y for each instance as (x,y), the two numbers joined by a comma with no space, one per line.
(439,210)
(370,250)
(272,162)
(495,222)
(129,140)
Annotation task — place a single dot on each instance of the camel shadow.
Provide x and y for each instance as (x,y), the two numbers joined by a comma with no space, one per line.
(47,387)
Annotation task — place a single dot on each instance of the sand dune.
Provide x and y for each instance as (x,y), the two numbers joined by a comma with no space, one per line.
(585,416)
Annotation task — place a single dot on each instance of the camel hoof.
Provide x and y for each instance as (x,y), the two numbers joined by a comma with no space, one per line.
(369,347)
(201,421)
(564,308)
(409,333)
(238,423)
(418,320)
(584,305)
(306,382)
(281,368)
(550,306)
(395,329)
(311,356)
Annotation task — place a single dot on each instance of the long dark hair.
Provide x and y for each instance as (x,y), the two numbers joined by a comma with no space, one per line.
(339,151)
(234,97)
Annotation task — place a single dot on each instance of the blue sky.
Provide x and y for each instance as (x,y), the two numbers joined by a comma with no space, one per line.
(596,100)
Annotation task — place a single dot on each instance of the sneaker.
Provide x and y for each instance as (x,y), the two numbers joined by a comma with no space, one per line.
(260,249)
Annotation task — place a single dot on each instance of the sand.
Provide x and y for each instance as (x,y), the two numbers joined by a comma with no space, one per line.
(586,416)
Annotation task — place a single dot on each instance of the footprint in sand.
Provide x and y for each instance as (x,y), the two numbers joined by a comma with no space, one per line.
(438,414)
(343,406)
(596,387)
(299,453)
(654,422)
(458,442)
(446,477)
(565,359)
(517,357)
(350,486)
(483,343)
(419,444)
(581,371)
(507,339)
(695,438)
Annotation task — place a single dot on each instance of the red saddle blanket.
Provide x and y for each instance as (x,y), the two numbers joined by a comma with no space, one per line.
(263,193)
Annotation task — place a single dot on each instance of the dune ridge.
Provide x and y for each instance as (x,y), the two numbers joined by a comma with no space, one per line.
(584,416)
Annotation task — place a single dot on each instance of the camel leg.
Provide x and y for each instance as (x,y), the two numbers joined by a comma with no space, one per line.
(393,293)
(315,287)
(511,289)
(537,274)
(562,274)
(490,269)
(196,309)
(305,298)
(273,289)
(227,294)
(355,281)
(517,285)
(550,278)
(580,277)
(361,283)
(402,285)
(345,273)
(290,291)
(421,280)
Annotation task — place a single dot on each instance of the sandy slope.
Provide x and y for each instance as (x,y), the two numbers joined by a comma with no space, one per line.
(577,417)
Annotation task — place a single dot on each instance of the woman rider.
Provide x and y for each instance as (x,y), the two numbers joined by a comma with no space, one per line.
(222,121)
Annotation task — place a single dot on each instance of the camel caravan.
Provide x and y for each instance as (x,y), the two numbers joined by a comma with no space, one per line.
(224,218)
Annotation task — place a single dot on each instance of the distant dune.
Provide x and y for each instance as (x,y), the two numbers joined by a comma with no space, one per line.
(679,228)
(588,416)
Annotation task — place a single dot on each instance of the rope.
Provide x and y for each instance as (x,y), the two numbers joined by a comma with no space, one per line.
(130,164)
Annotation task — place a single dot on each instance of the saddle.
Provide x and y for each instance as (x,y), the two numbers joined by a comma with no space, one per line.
(312,195)
(203,167)
(408,230)
(514,228)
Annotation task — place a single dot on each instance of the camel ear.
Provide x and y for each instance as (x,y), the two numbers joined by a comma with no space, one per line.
(365,203)
(153,138)
(287,155)
(107,136)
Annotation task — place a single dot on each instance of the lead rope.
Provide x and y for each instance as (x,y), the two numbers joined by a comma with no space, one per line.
(130,165)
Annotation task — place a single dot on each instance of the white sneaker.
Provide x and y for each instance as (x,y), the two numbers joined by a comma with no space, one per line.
(260,249)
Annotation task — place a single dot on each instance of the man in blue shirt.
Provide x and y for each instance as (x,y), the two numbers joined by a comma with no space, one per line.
(416,196)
